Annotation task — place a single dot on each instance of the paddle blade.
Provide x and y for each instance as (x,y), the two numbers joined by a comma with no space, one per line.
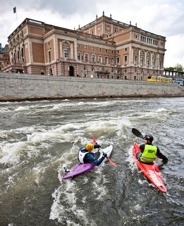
(111,162)
(94,140)
(137,133)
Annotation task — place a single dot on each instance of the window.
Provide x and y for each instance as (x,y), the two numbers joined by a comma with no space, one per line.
(142,58)
(112,60)
(22,54)
(126,59)
(49,56)
(143,38)
(149,40)
(117,60)
(93,58)
(155,42)
(86,57)
(100,59)
(135,60)
(106,60)
(66,53)
(78,56)
(18,55)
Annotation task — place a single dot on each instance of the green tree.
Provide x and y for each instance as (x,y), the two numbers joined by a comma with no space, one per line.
(170,68)
(179,67)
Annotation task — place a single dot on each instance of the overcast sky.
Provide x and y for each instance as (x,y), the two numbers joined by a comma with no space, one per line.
(162,17)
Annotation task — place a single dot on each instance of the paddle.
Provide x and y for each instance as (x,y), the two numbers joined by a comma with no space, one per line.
(137,133)
(110,161)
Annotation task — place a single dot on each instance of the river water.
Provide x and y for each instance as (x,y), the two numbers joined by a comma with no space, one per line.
(38,138)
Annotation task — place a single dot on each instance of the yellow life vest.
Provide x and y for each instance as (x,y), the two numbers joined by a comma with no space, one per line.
(149,154)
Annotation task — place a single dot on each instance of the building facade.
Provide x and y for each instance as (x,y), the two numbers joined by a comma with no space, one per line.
(104,48)
(4,57)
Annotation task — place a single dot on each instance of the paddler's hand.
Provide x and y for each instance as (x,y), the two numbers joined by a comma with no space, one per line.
(165,161)
(97,146)
(105,155)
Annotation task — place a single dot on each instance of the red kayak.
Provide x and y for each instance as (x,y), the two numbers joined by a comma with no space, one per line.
(150,171)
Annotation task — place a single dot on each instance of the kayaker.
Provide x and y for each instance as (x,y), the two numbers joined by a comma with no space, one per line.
(149,152)
(87,156)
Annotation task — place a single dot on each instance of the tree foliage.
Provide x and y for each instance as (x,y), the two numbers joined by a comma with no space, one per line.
(177,67)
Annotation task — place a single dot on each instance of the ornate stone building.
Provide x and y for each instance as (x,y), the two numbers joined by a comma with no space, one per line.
(104,48)
(4,57)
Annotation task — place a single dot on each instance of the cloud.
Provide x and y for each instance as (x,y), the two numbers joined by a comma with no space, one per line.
(175,49)
(64,7)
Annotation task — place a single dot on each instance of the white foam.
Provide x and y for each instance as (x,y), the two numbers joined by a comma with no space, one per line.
(130,159)
(21,108)
(101,191)
(11,152)
(66,192)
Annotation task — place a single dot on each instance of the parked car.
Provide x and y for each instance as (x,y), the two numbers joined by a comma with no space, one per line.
(179,81)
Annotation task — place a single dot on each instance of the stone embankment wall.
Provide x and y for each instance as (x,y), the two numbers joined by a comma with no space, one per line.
(35,87)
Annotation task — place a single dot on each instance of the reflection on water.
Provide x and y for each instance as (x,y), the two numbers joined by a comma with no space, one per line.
(38,138)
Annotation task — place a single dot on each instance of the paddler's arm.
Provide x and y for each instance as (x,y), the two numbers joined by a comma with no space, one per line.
(161,156)
(91,158)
